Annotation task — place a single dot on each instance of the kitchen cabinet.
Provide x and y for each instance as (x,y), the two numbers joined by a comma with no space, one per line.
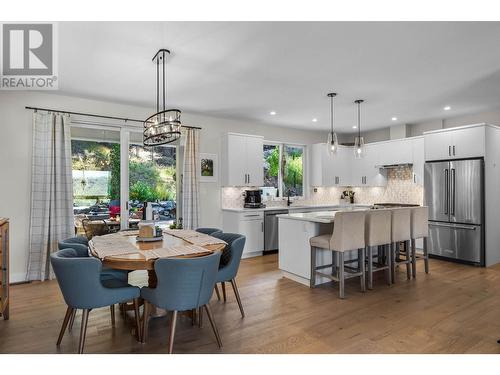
(242,160)
(455,143)
(397,151)
(365,171)
(418,160)
(4,268)
(336,169)
(251,225)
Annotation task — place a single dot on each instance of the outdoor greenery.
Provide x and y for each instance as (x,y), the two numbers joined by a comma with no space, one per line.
(96,175)
(291,168)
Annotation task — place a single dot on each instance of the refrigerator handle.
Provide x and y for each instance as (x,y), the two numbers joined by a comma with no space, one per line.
(446,191)
(452,191)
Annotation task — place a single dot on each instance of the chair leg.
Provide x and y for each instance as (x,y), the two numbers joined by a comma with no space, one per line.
(362,267)
(238,299)
(214,326)
(413,259)
(426,256)
(194,317)
(387,262)
(72,320)
(112,309)
(200,317)
(370,268)
(224,291)
(83,330)
(393,262)
(341,275)
(173,323)
(408,260)
(312,281)
(67,317)
(145,321)
(137,320)
(217,291)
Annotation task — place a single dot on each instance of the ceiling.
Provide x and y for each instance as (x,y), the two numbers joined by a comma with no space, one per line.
(244,70)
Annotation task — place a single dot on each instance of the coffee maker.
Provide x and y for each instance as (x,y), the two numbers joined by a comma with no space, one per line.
(253,199)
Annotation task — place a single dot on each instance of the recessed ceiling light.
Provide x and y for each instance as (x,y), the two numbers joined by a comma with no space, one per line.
(354,127)
(447,108)
(315,120)
(272,113)
(394,119)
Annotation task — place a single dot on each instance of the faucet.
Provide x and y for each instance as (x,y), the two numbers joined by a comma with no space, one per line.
(288,201)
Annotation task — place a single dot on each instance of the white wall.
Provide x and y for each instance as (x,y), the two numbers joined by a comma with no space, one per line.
(16,143)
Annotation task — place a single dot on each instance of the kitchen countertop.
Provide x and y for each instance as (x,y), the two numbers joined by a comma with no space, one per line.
(298,207)
(324,217)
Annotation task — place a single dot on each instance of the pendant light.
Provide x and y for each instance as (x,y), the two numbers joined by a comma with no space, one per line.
(359,142)
(165,125)
(332,142)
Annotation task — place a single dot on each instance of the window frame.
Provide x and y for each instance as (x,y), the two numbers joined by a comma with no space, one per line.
(281,146)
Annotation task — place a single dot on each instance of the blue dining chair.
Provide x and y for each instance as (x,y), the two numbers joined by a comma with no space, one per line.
(79,279)
(208,231)
(80,245)
(229,264)
(183,284)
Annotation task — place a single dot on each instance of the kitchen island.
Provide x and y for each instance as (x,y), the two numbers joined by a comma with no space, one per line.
(295,230)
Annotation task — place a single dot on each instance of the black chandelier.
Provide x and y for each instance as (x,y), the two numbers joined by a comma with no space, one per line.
(165,125)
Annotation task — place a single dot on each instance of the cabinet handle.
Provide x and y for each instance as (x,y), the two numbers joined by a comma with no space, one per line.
(262,225)
(449,150)
(453,150)
(248,178)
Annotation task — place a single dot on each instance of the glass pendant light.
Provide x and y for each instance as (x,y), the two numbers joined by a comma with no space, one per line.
(165,125)
(359,142)
(332,142)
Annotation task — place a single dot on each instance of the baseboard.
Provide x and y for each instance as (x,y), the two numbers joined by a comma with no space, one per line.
(252,254)
(17,277)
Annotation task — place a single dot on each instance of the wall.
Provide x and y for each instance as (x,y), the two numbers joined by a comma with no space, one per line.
(16,143)
(399,189)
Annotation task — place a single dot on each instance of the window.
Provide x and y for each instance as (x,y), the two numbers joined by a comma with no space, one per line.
(283,170)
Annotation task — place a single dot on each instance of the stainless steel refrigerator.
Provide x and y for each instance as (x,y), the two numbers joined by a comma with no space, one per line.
(454,192)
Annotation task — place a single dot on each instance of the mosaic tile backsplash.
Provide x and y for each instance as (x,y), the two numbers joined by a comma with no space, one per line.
(400,189)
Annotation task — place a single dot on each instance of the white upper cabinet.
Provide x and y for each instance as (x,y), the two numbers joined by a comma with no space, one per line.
(336,169)
(242,163)
(395,152)
(365,171)
(418,160)
(455,143)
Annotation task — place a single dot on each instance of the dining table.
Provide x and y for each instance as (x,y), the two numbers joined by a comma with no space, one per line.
(138,260)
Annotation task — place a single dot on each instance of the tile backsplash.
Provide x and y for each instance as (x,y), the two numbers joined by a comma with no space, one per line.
(400,189)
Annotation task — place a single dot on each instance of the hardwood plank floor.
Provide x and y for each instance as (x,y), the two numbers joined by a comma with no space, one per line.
(454,309)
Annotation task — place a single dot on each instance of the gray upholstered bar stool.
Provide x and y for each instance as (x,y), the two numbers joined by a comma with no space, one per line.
(378,233)
(348,235)
(419,229)
(400,232)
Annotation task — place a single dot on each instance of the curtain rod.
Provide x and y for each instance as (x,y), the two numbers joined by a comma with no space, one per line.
(100,116)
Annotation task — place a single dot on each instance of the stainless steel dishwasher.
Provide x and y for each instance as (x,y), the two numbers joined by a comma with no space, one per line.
(271,229)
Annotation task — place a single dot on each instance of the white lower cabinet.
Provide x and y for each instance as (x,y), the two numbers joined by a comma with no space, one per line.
(249,224)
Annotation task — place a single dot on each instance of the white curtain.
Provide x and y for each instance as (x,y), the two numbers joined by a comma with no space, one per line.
(51,191)
(191,180)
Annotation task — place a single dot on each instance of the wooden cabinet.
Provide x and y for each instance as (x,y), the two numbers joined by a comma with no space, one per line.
(251,225)
(4,268)
(455,143)
(242,162)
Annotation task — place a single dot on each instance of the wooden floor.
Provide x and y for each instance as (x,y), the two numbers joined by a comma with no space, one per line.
(454,309)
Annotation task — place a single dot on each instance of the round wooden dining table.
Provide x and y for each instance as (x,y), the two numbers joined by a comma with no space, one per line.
(137,261)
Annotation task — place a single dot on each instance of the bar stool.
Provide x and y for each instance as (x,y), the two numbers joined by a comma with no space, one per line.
(378,233)
(419,229)
(400,232)
(348,235)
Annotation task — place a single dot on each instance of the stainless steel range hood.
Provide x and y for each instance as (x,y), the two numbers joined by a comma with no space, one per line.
(395,166)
